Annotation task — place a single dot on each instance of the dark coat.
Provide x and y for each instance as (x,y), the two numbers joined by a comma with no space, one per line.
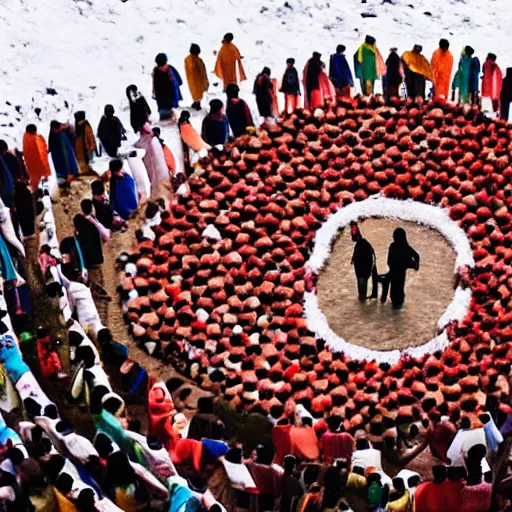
(263,90)
(291,84)
(312,75)
(90,242)
(111,133)
(139,113)
(104,212)
(215,129)
(393,76)
(363,258)
(402,257)
(239,116)
(166,86)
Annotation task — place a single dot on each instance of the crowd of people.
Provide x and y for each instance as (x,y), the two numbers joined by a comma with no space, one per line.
(309,461)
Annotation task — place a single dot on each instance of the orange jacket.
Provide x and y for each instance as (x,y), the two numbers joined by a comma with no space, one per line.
(191,138)
(442,65)
(35,152)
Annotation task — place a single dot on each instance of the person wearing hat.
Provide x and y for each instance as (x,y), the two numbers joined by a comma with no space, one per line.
(394,74)
(340,73)
(417,71)
(229,67)
(290,86)
(166,87)
(215,127)
(442,66)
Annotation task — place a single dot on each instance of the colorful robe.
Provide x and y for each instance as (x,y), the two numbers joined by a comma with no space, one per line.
(368,63)
(85,145)
(35,152)
(339,71)
(226,66)
(197,77)
(442,66)
(123,196)
(462,78)
(492,81)
(63,156)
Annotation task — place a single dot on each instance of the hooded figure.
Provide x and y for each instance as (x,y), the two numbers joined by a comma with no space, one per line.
(166,86)
(394,74)
(123,196)
(155,163)
(63,156)
(339,72)
(238,113)
(227,61)
(264,92)
(139,108)
(85,143)
(492,80)
(417,71)
(215,128)
(369,65)
(364,262)
(35,152)
(197,77)
(442,66)
(111,132)
(463,77)
(401,256)
(290,86)
(506,95)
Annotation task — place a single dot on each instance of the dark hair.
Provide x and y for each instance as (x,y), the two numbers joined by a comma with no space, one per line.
(64,483)
(161,59)
(115,165)
(3,145)
(492,56)
(340,48)
(266,71)
(55,125)
(85,500)
(86,206)
(31,128)
(291,61)
(444,44)
(16,455)
(119,470)
(228,37)
(151,210)
(232,91)
(50,411)
(156,131)
(469,50)
(85,354)
(32,408)
(80,115)
(109,109)
(216,105)
(184,117)
(369,40)
(439,473)
(97,188)
(195,49)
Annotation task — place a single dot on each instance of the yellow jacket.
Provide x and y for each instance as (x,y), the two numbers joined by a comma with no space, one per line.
(196,76)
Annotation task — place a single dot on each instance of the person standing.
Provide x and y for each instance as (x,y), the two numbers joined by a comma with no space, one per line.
(155,163)
(401,256)
(197,77)
(264,92)
(89,239)
(215,128)
(474,77)
(463,76)
(123,196)
(506,95)
(369,65)
(442,67)
(85,143)
(111,131)
(63,156)
(9,170)
(340,73)
(169,157)
(417,71)
(166,87)
(492,81)
(311,79)
(35,152)
(394,74)
(228,60)
(139,108)
(238,112)
(364,262)
(290,86)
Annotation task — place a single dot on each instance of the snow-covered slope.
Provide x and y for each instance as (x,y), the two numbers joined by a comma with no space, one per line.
(90,50)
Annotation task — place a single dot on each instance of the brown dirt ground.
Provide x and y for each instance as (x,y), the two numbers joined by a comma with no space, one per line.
(378,326)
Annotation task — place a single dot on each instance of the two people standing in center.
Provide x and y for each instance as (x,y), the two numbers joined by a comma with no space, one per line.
(401,257)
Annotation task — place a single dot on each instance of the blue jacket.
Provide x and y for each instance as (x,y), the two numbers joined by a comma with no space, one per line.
(339,71)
